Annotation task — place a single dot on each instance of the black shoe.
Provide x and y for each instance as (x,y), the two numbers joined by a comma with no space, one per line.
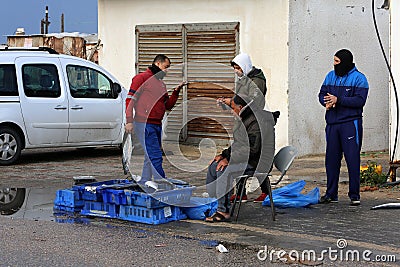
(355,202)
(326,199)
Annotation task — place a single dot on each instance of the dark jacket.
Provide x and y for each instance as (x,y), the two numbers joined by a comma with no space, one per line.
(246,86)
(149,97)
(253,139)
(257,76)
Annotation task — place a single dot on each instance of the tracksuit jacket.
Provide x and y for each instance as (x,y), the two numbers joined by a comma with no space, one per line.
(149,98)
(355,85)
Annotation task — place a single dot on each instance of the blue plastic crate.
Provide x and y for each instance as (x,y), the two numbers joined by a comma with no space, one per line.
(143,200)
(151,216)
(114,196)
(100,209)
(68,198)
(177,196)
(92,191)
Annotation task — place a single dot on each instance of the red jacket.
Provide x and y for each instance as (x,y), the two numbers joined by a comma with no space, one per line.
(149,96)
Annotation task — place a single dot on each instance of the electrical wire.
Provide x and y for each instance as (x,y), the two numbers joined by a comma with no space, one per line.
(391,77)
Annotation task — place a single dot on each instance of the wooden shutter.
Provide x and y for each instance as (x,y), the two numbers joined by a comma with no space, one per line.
(210,48)
(152,40)
(200,54)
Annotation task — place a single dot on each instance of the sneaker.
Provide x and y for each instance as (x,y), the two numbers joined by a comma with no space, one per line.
(261,197)
(326,199)
(355,202)
(244,198)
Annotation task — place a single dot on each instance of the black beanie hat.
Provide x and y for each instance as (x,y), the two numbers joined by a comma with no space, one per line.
(346,62)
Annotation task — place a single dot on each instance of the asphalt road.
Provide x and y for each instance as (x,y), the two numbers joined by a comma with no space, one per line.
(100,243)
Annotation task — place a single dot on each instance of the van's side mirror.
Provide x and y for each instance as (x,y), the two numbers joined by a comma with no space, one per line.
(116,89)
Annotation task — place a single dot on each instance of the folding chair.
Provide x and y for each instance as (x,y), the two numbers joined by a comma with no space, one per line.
(282,161)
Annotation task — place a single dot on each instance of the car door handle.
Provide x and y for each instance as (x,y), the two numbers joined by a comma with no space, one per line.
(77,107)
(59,107)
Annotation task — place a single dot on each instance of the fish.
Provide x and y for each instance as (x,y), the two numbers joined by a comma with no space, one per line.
(127,149)
(387,206)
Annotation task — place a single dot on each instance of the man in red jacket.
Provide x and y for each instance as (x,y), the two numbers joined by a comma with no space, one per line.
(146,104)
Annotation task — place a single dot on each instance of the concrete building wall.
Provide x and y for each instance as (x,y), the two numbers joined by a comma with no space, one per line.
(263,35)
(395,64)
(292,41)
(318,29)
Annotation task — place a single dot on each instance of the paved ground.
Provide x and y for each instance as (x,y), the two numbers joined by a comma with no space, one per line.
(316,228)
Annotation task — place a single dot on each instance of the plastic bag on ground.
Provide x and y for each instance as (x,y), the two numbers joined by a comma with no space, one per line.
(290,196)
(293,189)
(200,208)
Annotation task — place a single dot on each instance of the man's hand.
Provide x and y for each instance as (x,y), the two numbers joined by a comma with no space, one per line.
(222,164)
(226,100)
(330,101)
(129,127)
(328,106)
(217,158)
(179,87)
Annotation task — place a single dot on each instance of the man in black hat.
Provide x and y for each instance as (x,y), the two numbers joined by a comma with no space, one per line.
(343,94)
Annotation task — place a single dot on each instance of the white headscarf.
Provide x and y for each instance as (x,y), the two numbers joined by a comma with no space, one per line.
(244,62)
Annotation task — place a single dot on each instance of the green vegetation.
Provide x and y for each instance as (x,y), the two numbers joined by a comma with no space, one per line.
(371,174)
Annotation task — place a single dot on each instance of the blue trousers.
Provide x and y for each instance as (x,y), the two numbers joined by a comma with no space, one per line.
(149,136)
(343,138)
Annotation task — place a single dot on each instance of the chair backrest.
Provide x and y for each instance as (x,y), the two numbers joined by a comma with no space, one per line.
(284,158)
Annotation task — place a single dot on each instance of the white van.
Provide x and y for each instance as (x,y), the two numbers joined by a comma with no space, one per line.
(53,100)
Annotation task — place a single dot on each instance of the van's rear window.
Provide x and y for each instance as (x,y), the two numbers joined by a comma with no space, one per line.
(8,80)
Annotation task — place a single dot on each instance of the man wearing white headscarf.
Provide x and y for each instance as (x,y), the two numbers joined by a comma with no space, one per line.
(251,81)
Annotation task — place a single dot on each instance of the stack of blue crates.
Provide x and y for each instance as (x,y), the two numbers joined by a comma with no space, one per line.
(106,199)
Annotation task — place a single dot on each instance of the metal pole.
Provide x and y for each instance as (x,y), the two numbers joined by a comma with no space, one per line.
(62,22)
(42,26)
(46,29)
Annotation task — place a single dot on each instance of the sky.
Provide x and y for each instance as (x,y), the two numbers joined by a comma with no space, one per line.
(79,16)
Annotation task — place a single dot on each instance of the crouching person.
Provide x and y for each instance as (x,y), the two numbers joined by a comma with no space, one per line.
(252,150)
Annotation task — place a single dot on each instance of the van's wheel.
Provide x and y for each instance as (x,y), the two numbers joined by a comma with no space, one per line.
(10,146)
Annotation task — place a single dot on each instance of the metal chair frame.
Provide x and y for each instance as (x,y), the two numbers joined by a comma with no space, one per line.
(282,161)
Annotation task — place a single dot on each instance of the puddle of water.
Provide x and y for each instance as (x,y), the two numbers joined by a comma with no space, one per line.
(34,204)
(28,203)
(70,217)
(209,243)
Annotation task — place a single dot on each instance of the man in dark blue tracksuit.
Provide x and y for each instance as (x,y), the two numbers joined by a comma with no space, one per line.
(343,94)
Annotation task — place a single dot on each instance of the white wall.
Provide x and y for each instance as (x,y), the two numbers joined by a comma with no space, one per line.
(292,41)
(263,35)
(317,30)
